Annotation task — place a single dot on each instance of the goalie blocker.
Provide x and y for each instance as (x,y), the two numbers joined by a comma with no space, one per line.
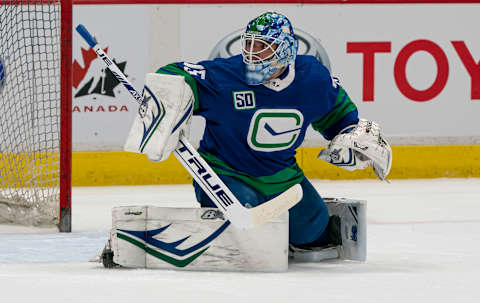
(158,128)
(201,239)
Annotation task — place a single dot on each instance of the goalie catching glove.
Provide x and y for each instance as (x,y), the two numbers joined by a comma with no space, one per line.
(359,146)
(157,128)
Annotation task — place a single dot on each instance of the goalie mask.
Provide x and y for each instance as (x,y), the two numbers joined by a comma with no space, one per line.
(270,33)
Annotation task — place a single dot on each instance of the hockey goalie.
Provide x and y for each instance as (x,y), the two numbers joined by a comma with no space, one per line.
(257,107)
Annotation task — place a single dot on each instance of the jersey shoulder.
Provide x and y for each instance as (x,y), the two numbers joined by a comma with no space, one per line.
(308,67)
(230,62)
(208,73)
(221,71)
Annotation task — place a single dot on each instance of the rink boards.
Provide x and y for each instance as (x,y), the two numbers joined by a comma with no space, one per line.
(420,82)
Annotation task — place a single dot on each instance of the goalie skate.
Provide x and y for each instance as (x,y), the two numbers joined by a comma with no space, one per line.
(105,256)
(353,228)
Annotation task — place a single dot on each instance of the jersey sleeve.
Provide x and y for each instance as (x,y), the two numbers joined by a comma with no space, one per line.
(341,111)
(195,76)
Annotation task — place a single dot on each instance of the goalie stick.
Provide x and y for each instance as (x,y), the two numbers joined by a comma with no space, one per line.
(199,169)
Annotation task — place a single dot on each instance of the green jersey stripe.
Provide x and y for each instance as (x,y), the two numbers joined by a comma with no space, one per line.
(176,70)
(343,106)
(266,185)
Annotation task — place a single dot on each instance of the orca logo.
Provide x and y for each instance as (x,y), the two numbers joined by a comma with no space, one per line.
(274,129)
(307,45)
(151,118)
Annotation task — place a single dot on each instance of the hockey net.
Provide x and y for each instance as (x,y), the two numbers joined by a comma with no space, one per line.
(35,112)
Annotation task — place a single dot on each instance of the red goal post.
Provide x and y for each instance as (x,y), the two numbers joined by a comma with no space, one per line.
(35,106)
(345,2)
(65,216)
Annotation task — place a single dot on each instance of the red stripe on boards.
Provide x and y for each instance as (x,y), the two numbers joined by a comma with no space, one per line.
(79,2)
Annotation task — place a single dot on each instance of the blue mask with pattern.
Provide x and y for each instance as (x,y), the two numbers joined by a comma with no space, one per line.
(268,45)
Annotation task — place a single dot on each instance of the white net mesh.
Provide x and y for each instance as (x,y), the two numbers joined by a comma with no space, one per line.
(29,111)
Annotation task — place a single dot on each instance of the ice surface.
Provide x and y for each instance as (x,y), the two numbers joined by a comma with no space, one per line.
(423,246)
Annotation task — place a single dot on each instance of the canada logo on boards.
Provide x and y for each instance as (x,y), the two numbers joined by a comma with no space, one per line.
(93,79)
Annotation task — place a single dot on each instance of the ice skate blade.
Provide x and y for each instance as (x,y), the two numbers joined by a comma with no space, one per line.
(300,256)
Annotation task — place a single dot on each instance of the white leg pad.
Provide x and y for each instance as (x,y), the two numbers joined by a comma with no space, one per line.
(196,239)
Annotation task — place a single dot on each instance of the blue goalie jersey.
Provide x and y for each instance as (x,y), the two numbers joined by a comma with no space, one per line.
(252,132)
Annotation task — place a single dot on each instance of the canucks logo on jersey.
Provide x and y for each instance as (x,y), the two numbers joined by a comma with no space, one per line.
(274,129)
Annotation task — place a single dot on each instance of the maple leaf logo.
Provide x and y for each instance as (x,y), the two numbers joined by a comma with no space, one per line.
(102,84)
(79,72)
